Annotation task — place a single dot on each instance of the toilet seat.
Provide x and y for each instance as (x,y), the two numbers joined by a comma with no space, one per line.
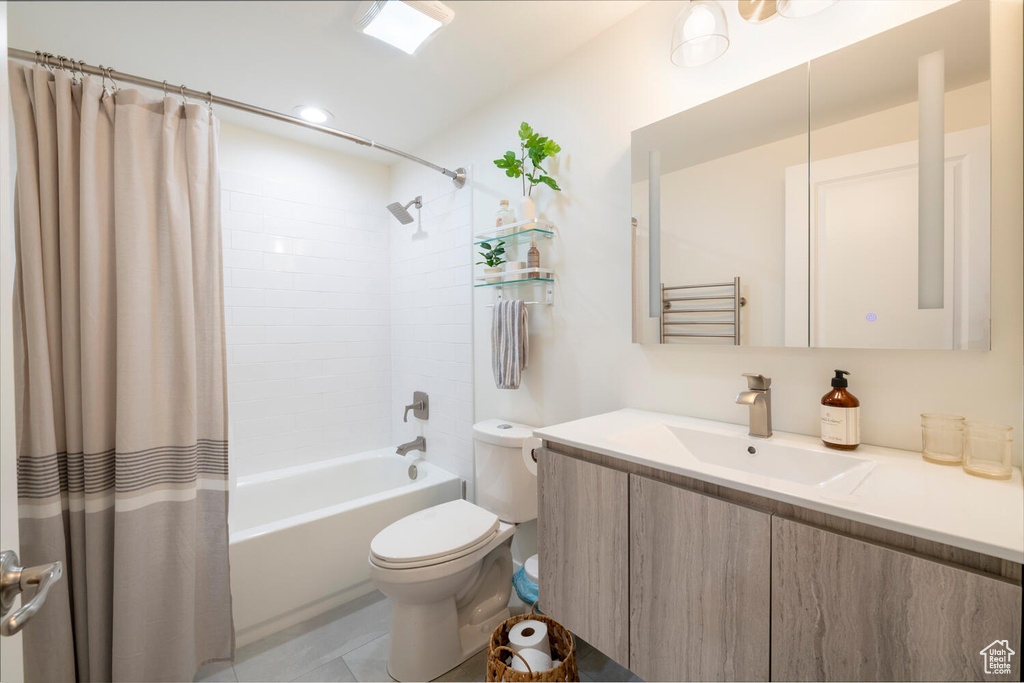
(435,535)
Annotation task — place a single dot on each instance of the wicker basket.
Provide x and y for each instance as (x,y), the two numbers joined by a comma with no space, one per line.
(562,646)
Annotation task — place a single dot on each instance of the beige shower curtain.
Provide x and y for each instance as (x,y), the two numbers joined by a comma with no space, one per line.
(120,379)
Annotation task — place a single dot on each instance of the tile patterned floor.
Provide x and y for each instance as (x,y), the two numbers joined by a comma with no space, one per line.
(350,643)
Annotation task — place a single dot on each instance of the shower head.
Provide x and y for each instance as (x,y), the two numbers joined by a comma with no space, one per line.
(401,212)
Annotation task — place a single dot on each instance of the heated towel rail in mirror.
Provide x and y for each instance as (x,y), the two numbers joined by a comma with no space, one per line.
(701,312)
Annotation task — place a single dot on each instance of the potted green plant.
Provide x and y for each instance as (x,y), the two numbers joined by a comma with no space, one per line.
(533,150)
(493,258)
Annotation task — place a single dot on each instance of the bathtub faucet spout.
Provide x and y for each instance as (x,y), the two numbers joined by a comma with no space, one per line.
(417,444)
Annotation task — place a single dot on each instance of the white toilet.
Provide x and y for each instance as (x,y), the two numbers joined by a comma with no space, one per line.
(448,569)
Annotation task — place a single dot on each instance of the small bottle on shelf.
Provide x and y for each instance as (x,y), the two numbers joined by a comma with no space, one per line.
(533,259)
(504,217)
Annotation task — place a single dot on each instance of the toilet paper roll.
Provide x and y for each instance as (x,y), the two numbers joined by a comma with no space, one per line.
(528,446)
(537,660)
(529,634)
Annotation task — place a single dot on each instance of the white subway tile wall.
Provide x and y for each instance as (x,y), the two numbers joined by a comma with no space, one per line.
(431,321)
(306,276)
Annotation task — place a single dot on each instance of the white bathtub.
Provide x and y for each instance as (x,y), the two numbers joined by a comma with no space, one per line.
(300,537)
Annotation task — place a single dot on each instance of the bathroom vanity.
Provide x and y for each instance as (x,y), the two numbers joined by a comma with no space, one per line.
(687,550)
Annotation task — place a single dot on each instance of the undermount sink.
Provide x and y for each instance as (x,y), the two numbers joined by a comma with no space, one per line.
(838,473)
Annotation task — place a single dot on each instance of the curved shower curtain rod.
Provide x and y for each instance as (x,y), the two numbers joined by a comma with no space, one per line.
(458,176)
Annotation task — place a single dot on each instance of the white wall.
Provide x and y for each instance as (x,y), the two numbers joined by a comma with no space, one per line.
(431,333)
(306,286)
(582,360)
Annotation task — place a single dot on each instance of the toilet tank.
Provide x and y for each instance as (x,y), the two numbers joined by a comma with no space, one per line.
(504,483)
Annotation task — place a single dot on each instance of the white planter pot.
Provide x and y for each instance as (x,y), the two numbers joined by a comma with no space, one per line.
(527,209)
(489,271)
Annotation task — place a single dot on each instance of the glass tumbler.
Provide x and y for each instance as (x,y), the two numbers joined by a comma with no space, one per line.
(987,449)
(942,438)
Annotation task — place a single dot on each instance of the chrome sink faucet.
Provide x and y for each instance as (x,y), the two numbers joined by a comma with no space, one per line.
(759,397)
(417,444)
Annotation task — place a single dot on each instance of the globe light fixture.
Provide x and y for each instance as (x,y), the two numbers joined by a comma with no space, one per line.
(700,34)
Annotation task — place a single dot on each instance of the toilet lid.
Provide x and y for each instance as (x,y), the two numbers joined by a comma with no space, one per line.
(439,531)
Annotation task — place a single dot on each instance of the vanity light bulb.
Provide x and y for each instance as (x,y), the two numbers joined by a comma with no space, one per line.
(700,34)
(699,24)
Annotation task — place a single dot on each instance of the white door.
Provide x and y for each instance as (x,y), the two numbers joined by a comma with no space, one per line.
(862,250)
(11,670)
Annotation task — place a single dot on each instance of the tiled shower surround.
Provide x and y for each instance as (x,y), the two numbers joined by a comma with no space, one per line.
(335,314)
(306,275)
(431,319)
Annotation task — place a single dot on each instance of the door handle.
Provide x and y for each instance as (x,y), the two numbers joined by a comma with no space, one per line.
(14,580)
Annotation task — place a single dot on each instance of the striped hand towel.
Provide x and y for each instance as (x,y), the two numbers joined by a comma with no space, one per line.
(510,343)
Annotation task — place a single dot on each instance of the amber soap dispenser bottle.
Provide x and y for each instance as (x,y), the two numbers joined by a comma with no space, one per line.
(840,415)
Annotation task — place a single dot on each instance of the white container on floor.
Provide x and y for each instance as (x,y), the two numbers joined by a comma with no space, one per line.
(532,569)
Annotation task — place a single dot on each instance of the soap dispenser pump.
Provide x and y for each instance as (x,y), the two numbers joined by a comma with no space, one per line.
(840,415)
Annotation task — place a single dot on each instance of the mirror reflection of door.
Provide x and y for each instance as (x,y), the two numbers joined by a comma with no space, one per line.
(885,112)
(864,250)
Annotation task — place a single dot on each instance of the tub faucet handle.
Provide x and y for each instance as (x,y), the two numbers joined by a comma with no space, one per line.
(420,406)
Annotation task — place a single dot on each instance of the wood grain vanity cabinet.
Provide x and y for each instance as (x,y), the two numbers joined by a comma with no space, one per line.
(700,585)
(847,610)
(583,539)
(679,579)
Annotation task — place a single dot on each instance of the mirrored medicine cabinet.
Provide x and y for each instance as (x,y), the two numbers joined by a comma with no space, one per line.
(844,203)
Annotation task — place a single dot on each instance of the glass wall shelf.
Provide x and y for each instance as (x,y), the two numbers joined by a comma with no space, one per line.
(515,277)
(546,282)
(537,228)
(506,283)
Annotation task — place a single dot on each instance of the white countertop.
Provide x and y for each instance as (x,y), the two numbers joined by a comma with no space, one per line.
(902,492)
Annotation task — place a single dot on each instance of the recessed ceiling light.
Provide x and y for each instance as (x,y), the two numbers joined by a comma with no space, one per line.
(312,114)
(402,23)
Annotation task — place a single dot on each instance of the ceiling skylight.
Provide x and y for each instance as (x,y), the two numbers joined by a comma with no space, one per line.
(402,23)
